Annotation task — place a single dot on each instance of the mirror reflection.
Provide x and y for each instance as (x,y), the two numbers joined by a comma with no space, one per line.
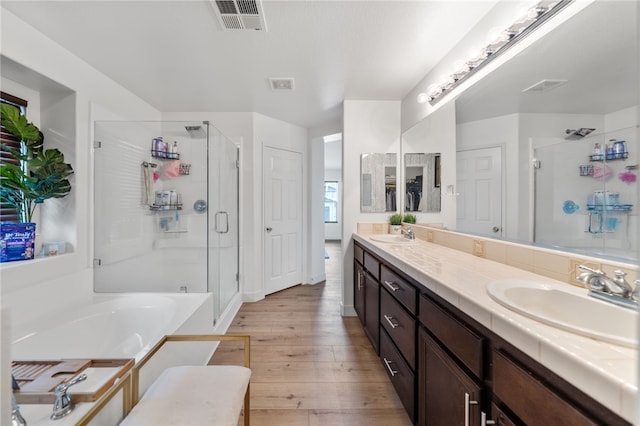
(422,182)
(378,182)
(525,165)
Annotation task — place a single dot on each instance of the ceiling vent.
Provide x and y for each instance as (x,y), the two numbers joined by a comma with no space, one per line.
(281,84)
(240,14)
(544,86)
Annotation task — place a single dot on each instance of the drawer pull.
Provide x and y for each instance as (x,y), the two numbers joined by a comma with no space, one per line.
(391,286)
(391,323)
(391,370)
(484,421)
(359,280)
(467,407)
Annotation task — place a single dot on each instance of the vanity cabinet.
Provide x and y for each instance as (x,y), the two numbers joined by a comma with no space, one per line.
(398,335)
(447,394)
(367,293)
(448,369)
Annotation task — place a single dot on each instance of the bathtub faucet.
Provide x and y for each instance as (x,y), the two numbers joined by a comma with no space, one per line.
(63,404)
(16,417)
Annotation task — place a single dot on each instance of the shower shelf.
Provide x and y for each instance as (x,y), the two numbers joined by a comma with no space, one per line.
(610,208)
(165,155)
(167,207)
(176,231)
(609,157)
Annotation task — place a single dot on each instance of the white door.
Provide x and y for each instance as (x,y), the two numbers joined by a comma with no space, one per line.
(479,181)
(282,177)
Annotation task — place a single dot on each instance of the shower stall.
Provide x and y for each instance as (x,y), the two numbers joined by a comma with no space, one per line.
(586,193)
(166,209)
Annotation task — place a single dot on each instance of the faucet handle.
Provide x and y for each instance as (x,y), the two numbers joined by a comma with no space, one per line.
(63,404)
(635,293)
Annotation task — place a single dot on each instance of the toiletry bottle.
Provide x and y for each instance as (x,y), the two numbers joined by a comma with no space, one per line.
(174,150)
(596,150)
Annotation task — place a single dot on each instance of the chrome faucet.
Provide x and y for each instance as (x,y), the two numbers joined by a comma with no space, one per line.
(16,417)
(408,232)
(63,404)
(616,290)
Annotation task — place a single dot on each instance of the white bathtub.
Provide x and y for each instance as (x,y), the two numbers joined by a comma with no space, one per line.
(116,325)
(112,326)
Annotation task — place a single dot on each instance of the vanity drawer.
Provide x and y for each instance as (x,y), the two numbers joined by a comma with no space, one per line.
(463,342)
(358,254)
(499,417)
(372,265)
(400,325)
(399,288)
(532,401)
(399,372)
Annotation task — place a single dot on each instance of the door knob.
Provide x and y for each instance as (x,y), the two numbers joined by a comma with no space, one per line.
(495,229)
(269,229)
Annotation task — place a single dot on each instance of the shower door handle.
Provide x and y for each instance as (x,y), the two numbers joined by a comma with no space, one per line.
(219,228)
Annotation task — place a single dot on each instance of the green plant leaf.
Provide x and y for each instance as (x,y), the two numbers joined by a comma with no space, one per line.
(17,124)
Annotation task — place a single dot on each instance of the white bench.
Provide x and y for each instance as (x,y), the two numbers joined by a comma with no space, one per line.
(192,395)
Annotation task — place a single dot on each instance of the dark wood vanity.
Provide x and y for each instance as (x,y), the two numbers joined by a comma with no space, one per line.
(448,369)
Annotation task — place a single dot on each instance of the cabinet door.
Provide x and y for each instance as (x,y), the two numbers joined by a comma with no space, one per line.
(372,310)
(446,395)
(358,290)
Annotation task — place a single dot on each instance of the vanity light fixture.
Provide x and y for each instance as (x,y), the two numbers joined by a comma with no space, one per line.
(499,41)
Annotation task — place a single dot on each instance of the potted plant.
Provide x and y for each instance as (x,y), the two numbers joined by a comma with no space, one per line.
(409,218)
(395,223)
(41,174)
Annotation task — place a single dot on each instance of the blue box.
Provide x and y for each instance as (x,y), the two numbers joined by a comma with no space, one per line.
(17,241)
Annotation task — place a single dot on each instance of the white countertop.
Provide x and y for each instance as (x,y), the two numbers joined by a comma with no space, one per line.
(604,371)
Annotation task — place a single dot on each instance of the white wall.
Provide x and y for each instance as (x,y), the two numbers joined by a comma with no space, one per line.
(34,61)
(315,257)
(369,126)
(436,133)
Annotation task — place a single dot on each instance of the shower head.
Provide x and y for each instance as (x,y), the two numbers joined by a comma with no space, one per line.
(196,132)
(579,133)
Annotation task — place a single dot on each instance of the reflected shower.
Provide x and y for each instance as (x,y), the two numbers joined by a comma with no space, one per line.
(579,133)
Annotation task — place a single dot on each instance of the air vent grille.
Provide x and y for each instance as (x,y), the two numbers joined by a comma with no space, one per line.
(282,83)
(240,14)
(544,86)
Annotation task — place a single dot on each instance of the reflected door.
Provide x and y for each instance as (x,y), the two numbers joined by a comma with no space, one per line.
(479,181)
(282,219)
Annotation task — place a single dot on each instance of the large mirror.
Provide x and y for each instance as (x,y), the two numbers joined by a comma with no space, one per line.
(378,182)
(525,164)
(422,182)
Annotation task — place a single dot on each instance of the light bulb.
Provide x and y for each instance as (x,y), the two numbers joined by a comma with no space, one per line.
(422,98)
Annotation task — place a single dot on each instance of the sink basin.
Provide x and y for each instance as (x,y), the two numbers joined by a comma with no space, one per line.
(568,308)
(391,239)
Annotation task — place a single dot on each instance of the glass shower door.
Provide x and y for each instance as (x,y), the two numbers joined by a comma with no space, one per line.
(223,226)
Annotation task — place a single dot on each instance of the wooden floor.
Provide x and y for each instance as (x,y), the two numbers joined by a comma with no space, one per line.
(310,366)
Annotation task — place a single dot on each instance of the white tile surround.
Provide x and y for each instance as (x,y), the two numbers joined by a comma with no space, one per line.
(604,371)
